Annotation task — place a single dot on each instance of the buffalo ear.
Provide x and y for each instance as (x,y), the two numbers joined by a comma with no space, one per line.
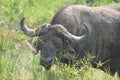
(69,51)
(34,51)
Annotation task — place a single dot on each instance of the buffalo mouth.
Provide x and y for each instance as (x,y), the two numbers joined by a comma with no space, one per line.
(46,63)
(47,67)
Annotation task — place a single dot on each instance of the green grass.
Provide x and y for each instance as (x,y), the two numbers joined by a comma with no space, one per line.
(16,60)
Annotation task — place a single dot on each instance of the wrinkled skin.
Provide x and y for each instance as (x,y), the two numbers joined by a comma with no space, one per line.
(82,29)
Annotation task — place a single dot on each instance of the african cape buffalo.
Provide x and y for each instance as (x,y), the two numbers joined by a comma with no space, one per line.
(78,29)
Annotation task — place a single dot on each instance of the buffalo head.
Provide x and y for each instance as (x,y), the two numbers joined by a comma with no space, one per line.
(52,41)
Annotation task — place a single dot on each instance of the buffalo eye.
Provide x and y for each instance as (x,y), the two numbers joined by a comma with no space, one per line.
(38,44)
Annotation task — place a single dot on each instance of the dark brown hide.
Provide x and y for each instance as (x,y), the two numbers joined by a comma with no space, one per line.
(113,6)
(103,38)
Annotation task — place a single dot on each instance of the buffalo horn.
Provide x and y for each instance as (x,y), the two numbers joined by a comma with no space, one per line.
(26,30)
(70,36)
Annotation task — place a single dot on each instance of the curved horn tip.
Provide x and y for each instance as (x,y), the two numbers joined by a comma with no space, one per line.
(23,19)
(26,30)
(77,39)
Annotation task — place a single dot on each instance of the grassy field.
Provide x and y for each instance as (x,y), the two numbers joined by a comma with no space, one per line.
(16,60)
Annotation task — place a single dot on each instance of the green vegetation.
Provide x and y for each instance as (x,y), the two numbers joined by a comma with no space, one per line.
(16,60)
